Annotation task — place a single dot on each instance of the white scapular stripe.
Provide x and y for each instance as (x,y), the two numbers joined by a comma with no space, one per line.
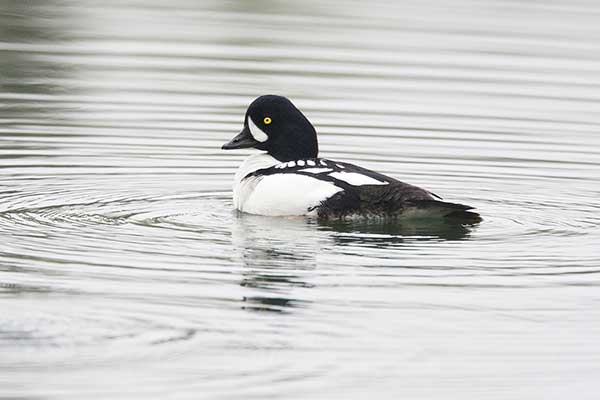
(315,170)
(356,179)
(256,132)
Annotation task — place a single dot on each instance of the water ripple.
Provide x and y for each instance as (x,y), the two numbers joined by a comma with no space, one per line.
(124,269)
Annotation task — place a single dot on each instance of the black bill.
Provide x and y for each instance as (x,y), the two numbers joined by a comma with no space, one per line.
(242,141)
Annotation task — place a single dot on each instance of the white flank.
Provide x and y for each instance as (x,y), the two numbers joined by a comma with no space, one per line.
(285,194)
(256,132)
(356,179)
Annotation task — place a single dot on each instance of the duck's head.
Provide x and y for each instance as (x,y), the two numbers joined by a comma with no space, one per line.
(275,125)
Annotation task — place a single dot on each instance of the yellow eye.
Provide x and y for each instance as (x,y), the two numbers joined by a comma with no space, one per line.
(267,120)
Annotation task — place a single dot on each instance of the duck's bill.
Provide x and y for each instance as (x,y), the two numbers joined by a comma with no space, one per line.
(242,141)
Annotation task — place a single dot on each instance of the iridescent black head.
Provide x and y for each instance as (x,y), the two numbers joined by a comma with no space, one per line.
(275,125)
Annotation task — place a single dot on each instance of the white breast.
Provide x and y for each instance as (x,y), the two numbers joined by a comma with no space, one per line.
(243,188)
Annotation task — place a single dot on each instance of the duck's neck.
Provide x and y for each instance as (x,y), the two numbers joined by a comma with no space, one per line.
(297,144)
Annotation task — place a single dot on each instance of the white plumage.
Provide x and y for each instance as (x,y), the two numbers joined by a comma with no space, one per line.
(356,179)
(315,170)
(256,132)
(277,194)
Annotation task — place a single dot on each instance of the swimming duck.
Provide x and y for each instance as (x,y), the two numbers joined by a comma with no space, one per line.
(289,178)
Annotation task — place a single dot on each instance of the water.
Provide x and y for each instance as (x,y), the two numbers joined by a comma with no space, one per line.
(125,273)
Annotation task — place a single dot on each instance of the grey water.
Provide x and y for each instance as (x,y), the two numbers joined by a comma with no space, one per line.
(126,274)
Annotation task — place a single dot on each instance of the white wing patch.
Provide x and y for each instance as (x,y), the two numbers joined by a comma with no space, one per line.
(356,179)
(256,132)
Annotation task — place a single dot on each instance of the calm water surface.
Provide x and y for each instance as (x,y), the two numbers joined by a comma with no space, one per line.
(125,273)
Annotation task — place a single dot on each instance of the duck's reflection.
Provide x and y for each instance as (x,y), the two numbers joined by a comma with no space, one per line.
(280,255)
(387,233)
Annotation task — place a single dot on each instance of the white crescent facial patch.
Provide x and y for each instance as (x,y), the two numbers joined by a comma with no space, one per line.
(256,132)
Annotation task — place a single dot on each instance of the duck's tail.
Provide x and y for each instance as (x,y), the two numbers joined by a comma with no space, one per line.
(398,200)
(432,208)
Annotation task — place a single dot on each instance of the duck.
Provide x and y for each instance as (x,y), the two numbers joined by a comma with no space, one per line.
(288,178)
